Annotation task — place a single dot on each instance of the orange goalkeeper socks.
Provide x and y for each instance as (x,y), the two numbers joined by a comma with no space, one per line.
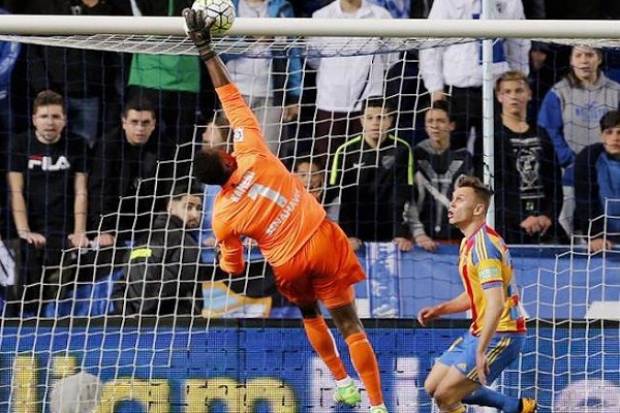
(323,343)
(365,362)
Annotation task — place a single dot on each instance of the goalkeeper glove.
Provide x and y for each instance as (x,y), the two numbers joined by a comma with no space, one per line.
(199,30)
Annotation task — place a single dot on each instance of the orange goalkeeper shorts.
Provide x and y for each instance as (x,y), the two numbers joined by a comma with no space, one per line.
(324,269)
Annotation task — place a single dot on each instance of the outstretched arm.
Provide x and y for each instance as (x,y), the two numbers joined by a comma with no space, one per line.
(247,137)
(199,30)
(456,305)
(217,71)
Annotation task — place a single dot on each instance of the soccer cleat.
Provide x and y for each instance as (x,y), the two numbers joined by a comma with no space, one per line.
(528,405)
(378,409)
(348,395)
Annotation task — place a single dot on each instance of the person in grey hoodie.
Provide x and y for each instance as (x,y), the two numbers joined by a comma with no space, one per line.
(570,113)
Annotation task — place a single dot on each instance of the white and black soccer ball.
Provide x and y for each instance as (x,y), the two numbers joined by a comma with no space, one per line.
(223,11)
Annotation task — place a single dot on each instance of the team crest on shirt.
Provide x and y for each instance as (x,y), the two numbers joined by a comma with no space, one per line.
(238,135)
(388,161)
(489,274)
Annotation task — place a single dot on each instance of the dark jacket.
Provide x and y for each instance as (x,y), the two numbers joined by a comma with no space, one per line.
(120,169)
(527,182)
(374,187)
(436,174)
(588,197)
(161,272)
(48,66)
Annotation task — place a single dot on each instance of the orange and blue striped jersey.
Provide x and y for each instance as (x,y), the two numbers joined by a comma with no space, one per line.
(485,263)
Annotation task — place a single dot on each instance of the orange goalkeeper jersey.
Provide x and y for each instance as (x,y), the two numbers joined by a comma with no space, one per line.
(262,199)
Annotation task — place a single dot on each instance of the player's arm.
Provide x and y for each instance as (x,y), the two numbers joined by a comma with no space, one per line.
(236,109)
(230,248)
(458,304)
(490,273)
(493,311)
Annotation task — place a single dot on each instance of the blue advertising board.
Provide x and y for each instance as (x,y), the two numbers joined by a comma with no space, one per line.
(553,282)
(271,368)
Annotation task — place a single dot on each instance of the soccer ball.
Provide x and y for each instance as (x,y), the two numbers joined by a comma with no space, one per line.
(223,11)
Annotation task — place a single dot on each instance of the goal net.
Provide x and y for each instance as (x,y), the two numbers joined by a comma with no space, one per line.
(140,319)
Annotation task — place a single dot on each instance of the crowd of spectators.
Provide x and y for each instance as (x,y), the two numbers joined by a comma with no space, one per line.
(93,142)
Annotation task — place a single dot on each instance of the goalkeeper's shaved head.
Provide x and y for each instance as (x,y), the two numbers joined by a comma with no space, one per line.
(214,166)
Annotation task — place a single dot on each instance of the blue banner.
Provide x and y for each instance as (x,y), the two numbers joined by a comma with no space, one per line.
(273,369)
(554,283)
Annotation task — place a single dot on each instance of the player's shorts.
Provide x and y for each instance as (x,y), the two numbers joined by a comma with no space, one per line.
(325,269)
(503,349)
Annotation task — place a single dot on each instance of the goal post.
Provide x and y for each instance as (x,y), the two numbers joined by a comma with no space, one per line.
(421,28)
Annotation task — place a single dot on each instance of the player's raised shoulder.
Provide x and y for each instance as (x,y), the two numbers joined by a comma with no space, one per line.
(487,246)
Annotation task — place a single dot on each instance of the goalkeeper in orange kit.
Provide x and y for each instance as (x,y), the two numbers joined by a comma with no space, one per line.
(310,255)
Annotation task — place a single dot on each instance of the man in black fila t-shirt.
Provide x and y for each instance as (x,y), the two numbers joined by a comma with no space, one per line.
(48,191)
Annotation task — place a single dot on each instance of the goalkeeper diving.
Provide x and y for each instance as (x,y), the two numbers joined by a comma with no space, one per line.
(311,257)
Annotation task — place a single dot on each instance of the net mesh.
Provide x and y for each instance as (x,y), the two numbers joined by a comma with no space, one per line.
(250,47)
(91,331)
(246,45)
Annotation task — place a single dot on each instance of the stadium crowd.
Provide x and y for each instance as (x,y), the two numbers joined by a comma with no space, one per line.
(94,143)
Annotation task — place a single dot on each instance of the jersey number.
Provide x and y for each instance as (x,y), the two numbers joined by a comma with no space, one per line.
(264,191)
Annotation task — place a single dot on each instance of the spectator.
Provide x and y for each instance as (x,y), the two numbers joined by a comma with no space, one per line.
(9,51)
(48,182)
(527,175)
(570,114)
(438,166)
(272,87)
(309,170)
(313,178)
(597,179)
(373,174)
(542,75)
(171,82)
(162,269)
(125,165)
(572,109)
(48,67)
(344,82)
(456,69)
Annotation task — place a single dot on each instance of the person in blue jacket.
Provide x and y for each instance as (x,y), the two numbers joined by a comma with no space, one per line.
(271,86)
(597,183)
(570,114)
